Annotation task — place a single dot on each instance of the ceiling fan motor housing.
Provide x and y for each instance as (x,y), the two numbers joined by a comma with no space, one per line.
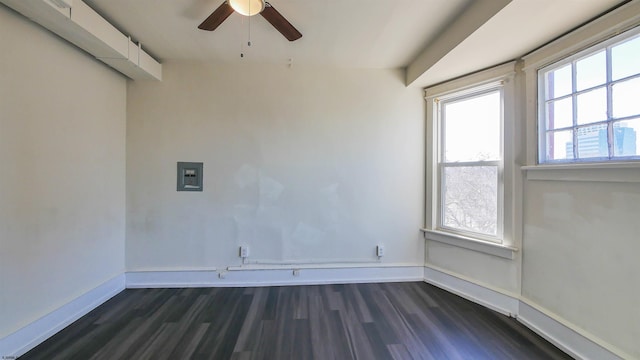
(248,7)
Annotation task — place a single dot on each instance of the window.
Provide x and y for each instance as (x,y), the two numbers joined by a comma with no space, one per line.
(472,176)
(589,109)
(470,162)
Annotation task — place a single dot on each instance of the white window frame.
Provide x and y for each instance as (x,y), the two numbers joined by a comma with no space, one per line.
(439,102)
(509,233)
(618,21)
(542,100)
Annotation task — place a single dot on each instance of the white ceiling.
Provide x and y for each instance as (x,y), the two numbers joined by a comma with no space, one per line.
(349,33)
(522,26)
(352,33)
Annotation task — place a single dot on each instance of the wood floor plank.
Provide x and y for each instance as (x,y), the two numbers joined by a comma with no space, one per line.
(356,334)
(302,340)
(183,325)
(319,331)
(399,352)
(352,321)
(248,336)
(301,310)
(266,339)
(380,350)
(354,296)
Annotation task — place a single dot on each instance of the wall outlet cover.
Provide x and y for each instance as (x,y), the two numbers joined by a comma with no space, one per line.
(244,251)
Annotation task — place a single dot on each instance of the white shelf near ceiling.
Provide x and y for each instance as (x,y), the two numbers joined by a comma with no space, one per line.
(76,22)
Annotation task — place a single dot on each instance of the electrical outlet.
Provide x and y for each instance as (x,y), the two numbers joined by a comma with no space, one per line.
(380,251)
(221,275)
(244,251)
(296,272)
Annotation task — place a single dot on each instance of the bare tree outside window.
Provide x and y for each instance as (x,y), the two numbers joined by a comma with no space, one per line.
(470,198)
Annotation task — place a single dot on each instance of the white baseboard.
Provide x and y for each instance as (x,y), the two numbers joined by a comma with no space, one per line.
(273,277)
(501,302)
(170,279)
(566,336)
(25,339)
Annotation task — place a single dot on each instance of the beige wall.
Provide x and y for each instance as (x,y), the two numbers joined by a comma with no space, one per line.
(302,164)
(581,246)
(62,187)
(581,228)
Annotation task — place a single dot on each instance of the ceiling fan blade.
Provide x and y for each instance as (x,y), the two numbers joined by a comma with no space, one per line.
(217,17)
(280,23)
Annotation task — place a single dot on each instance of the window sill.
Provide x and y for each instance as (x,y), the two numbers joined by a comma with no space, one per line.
(500,250)
(626,172)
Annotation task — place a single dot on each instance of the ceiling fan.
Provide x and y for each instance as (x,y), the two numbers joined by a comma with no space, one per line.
(251,8)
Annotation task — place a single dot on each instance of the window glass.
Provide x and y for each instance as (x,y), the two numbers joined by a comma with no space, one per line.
(559,82)
(591,71)
(625,137)
(626,98)
(560,145)
(472,128)
(470,198)
(592,106)
(625,59)
(592,141)
(560,113)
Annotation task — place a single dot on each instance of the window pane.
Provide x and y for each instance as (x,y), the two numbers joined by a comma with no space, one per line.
(472,128)
(470,198)
(592,106)
(559,82)
(626,98)
(560,145)
(625,137)
(591,71)
(624,58)
(592,141)
(560,113)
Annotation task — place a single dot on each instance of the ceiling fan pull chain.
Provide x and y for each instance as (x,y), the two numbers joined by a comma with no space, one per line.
(249,41)
(241,42)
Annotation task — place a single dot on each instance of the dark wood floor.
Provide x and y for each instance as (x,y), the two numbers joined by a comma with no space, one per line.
(356,321)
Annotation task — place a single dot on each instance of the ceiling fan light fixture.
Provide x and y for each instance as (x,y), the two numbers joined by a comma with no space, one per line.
(247,7)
